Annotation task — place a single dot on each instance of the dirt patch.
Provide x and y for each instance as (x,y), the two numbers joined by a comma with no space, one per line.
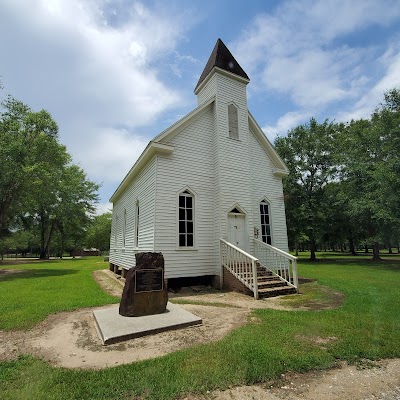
(321,342)
(109,282)
(380,381)
(5,272)
(69,339)
(19,261)
(314,297)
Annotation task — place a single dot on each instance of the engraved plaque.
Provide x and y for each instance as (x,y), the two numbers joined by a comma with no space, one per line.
(149,280)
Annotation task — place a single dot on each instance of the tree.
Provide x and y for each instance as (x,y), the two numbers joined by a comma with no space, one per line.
(27,139)
(370,155)
(308,151)
(40,188)
(98,233)
(65,208)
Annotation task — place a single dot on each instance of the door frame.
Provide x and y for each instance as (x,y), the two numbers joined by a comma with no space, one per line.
(240,211)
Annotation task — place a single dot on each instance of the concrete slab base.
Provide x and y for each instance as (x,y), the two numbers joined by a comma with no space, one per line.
(114,328)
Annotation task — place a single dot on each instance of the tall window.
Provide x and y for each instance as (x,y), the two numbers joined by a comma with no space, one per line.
(186,225)
(137,225)
(124,231)
(116,232)
(233,121)
(265,222)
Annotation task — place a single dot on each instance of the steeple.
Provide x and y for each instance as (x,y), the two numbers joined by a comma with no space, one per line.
(221,58)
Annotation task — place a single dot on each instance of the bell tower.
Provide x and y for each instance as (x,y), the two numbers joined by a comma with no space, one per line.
(225,80)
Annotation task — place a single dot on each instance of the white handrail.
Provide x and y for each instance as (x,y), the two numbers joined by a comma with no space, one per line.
(276,250)
(280,263)
(239,250)
(237,261)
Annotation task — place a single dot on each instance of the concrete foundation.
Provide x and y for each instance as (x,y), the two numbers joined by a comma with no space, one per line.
(114,328)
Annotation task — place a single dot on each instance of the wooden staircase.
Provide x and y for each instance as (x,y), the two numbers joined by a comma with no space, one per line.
(272,273)
(271,286)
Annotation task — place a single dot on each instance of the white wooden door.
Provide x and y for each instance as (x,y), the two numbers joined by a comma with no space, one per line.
(237,230)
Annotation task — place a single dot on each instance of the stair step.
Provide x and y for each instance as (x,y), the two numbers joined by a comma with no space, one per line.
(271,284)
(267,278)
(276,291)
(259,273)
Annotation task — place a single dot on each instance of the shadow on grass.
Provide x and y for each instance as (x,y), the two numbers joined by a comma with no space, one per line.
(11,275)
(384,263)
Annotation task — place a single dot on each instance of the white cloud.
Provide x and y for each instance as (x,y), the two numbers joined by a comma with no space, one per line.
(180,60)
(371,99)
(95,66)
(297,50)
(103,208)
(111,147)
(285,123)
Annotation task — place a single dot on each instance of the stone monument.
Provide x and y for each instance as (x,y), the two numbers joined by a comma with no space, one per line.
(145,291)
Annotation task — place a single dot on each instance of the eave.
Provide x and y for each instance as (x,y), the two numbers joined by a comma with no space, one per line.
(222,72)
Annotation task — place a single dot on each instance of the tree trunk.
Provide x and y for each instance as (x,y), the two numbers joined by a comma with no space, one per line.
(366,248)
(376,255)
(351,246)
(313,248)
(45,242)
(390,248)
(296,246)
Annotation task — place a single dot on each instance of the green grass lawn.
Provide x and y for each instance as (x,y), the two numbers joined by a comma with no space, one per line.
(44,288)
(365,326)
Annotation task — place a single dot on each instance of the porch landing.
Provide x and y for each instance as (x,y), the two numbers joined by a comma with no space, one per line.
(113,328)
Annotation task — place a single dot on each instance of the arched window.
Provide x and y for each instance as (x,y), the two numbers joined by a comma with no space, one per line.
(186,219)
(116,232)
(233,121)
(124,231)
(137,224)
(265,215)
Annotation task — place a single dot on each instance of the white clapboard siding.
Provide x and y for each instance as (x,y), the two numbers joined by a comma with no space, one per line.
(265,185)
(142,189)
(191,166)
(233,154)
(208,91)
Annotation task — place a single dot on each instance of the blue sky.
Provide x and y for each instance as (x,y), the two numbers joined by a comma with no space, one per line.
(116,73)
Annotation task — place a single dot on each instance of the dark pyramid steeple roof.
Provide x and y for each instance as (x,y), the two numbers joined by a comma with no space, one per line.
(222,58)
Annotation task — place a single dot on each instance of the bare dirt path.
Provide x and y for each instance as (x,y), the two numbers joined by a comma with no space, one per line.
(69,339)
(373,381)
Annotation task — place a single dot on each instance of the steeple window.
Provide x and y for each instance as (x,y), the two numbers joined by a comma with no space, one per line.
(233,121)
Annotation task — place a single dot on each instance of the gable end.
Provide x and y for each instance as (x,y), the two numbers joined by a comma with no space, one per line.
(280,167)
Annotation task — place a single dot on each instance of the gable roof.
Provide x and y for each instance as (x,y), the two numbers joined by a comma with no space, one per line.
(221,58)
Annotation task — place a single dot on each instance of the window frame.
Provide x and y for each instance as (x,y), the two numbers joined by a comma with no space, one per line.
(137,224)
(116,232)
(124,230)
(267,235)
(186,193)
(231,122)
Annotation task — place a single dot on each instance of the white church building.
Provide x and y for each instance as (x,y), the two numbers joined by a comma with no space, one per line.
(207,193)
